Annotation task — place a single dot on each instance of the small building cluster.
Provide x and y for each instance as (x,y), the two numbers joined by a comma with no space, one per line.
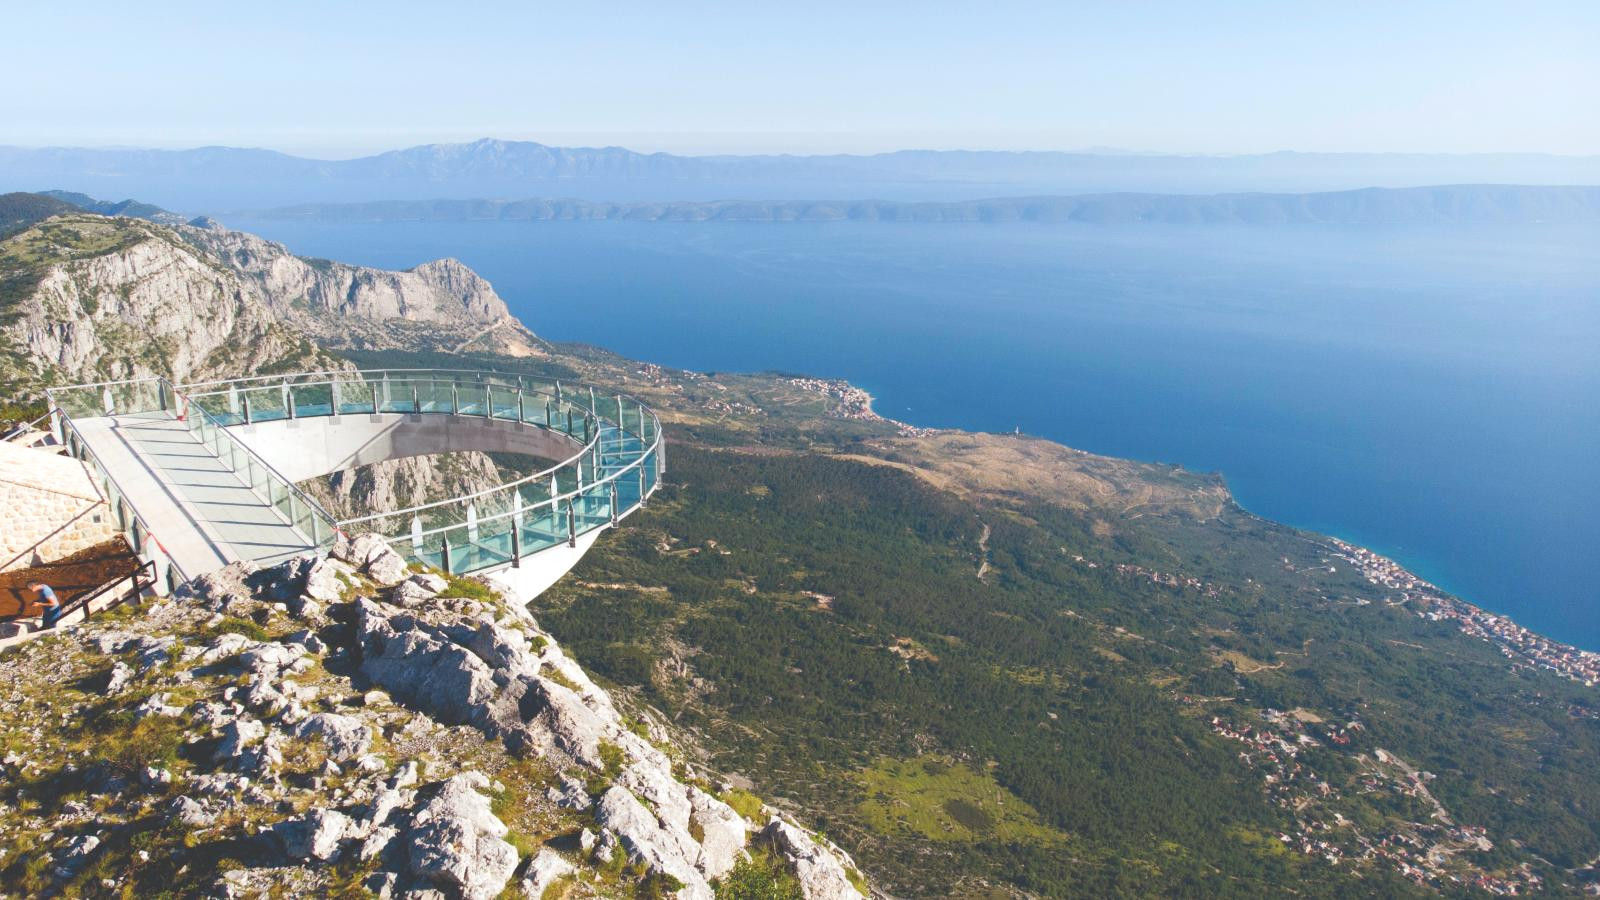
(1429,848)
(1525,648)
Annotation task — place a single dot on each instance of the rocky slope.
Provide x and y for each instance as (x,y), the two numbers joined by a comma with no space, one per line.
(399,483)
(86,297)
(345,723)
(440,305)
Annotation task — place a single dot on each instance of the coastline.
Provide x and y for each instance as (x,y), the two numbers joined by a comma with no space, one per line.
(1523,646)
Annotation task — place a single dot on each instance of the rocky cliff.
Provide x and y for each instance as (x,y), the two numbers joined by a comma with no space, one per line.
(440,305)
(341,724)
(86,297)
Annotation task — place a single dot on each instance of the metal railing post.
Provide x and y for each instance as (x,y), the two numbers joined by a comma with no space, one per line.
(455,399)
(488,400)
(613,502)
(288,395)
(416,401)
(375,407)
(244,406)
(444,554)
(516,546)
(572,525)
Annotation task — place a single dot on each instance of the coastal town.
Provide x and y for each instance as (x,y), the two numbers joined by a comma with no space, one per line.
(854,403)
(1524,648)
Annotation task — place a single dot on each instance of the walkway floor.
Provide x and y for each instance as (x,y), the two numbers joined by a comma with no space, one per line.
(203,514)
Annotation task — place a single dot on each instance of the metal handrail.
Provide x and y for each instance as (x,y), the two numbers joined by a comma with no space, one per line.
(314,506)
(99,464)
(582,451)
(609,479)
(575,399)
(539,476)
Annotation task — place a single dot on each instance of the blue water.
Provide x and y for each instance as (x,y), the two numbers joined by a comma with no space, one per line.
(1431,393)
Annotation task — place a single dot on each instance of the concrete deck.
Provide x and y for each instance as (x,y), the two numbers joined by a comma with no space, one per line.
(200,512)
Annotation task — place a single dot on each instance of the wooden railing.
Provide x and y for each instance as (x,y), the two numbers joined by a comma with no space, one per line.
(141,580)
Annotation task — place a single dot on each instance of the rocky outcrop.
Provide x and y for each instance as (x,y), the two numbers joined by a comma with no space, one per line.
(124,298)
(440,304)
(300,758)
(405,482)
(97,298)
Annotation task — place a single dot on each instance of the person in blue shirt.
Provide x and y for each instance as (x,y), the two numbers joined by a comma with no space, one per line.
(47,598)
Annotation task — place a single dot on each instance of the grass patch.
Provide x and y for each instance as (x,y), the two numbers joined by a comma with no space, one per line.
(943,800)
(744,803)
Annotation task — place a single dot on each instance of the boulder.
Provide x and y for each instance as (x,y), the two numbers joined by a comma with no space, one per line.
(666,850)
(315,835)
(388,568)
(343,736)
(430,582)
(410,594)
(236,736)
(222,588)
(417,663)
(821,875)
(117,681)
(223,646)
(364,548)
(191,812)
(723,833)
(456,842)
(322,582)
(543,870)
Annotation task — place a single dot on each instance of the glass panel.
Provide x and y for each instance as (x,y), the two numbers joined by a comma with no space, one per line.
(312,399)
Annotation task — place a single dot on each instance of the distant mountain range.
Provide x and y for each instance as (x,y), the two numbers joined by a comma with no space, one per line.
(211,178)
(131,208)
(1471,203)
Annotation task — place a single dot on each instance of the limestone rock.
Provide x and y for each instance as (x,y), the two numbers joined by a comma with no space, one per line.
(648,843)
(417,663)
(322,582)
(117,681)
(236,736)
(344,736)
(456,842)
(315,835)
(388,568)
(543,870)
(821,875)
(191,812)
(410,594)
(723,833)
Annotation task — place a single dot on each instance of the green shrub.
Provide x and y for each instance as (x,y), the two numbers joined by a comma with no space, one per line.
(761,876)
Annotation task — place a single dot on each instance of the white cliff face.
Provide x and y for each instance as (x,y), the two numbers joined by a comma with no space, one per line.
(348,305)
(146,305)
(86,297)
(401,483)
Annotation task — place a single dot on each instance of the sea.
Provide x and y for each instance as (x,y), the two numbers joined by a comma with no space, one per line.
(1430,392)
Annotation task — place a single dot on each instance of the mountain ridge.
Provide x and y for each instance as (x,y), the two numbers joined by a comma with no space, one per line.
(201,178)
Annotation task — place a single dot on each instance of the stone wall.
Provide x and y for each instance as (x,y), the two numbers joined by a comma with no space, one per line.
(49,506)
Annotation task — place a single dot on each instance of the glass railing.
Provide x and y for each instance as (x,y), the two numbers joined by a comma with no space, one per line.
(112,398)
(133,528)
(615,464)
(299,510)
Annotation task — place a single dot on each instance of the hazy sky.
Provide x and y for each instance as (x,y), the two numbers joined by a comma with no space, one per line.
(345,78)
